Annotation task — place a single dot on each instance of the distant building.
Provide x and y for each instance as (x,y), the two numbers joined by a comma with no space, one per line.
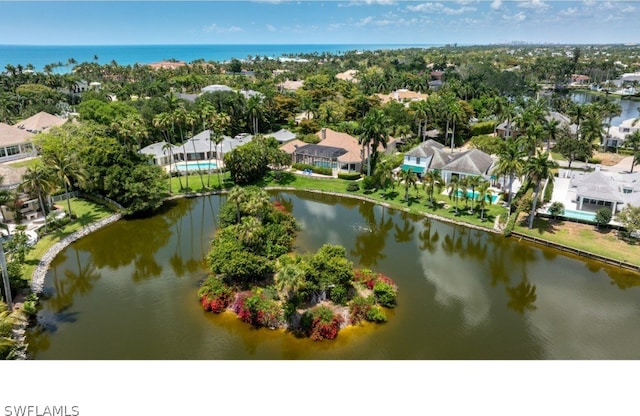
(402,96)
(348,75)
(167,65)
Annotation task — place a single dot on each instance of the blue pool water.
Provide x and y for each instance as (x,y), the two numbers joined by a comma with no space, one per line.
(476,194)
(580,215)
(192,166)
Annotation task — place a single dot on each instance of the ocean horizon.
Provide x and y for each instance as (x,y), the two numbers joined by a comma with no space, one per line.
(41,55)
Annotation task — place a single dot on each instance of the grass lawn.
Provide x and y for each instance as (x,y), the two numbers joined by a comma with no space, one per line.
(211,182)
(416,204)
(24,163)
(585,237)
(86,211)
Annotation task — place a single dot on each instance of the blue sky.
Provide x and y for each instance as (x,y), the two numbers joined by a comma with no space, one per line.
(321,22)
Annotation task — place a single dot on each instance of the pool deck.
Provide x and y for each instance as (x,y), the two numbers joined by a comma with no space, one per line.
(171,167)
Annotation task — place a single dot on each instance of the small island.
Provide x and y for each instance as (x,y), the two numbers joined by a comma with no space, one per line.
(255,275)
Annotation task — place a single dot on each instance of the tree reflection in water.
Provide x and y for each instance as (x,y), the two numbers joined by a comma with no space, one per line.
(369,244)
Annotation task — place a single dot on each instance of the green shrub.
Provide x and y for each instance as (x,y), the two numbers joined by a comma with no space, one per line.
(369,183)
(353,187)
(603,216)
(483,127)
(339,294)
(322,171)
(302,166)
(349,176)
(548,191)
(376,314)
(594,160)
(320,323)
(385,294)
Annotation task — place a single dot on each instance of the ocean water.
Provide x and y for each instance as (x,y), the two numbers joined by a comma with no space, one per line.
(39,55)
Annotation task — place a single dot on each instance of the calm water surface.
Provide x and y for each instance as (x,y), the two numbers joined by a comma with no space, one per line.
(129,292)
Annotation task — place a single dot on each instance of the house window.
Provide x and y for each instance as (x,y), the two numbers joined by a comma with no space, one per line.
(627,190)
(12,150)
(417,160)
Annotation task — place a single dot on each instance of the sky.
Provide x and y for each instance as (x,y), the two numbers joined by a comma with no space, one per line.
(463,22)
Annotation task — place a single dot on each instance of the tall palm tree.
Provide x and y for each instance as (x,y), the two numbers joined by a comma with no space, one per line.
(254,110)
(408,178)
(632,141)
(37,180)
(66,170)
(373,133)
(510,163)
(551,126)
(453,189)
(289,279)
(538,169)
(591,130)
(164,121)
(484,193)
(237,195)
(384,174)
(433,183)
(473,182)
(220,123)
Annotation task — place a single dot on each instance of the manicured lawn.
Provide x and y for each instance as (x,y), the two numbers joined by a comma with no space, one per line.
(211,182)
(24,163)
(585,237)
(417,203)
(87,213)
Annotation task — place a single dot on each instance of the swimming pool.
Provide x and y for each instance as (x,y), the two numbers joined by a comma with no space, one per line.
(476,194)
(579,215)
(192,166)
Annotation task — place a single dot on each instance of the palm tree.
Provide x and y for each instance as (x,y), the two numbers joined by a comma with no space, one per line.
(591,129)
(408,178)
(220,123)
(164,121)
(453,188)
(66,170)
(633,141)
(254,110)
(257,203)
(483,193)
(510,163)
(550,127)
(289,279)
(384,174)
(433,183)
(473,182)
(37,180)
(538,169)
(237,195)
(373,133)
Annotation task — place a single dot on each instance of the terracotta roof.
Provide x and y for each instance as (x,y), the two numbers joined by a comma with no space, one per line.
(40,122)
(402,96)
(291,146)
(10,135)
(167,65)
(348,75)
(291,85)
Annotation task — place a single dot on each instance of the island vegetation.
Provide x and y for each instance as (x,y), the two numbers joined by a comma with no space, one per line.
(255,275)
(470,91)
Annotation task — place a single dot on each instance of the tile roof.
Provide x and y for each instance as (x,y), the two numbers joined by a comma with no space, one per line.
(11,135)
(40,122)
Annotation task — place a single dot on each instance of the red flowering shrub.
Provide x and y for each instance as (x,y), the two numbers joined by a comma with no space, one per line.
(321,323)
(359,308)
(215,296)
(278,205)
(256,309)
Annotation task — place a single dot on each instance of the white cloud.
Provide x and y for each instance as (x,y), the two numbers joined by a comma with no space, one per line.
(220,29)
(439,8)
(515,18)
(496,4)
(629,9)
(534,4)
(271,28)
(365,21)
(570,12)
(589,3)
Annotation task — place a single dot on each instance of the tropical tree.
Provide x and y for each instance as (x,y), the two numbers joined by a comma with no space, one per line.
(473,182)
(591,130)
(510,163)
(66,170)
(289,279)
(632,141)
(538,169)
(454,190)
(550,127)
(408,178)
(373,133)
(384,174)
(237,196)
(38,180)
(432,183)
(484,194)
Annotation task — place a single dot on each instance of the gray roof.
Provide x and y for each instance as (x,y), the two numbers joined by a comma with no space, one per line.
(440,159)
(216,87)
(473,162)
(425,149)
(597,185)
(187,97)
(157,149)
(282,135)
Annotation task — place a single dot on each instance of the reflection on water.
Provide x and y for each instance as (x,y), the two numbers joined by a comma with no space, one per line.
(129,292)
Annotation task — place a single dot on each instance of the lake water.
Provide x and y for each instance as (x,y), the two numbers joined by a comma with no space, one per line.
(128,291)
(630,108)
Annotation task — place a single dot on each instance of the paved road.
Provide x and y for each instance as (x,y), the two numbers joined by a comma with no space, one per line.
(623,166)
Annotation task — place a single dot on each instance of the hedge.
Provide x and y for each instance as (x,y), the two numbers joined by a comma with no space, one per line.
(315,169)
(351,176)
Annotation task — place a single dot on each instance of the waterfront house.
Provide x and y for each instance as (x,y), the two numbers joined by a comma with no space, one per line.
(432,155)
(618,134)
(595,190)
(40,122)
(160,154)
(15,143)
